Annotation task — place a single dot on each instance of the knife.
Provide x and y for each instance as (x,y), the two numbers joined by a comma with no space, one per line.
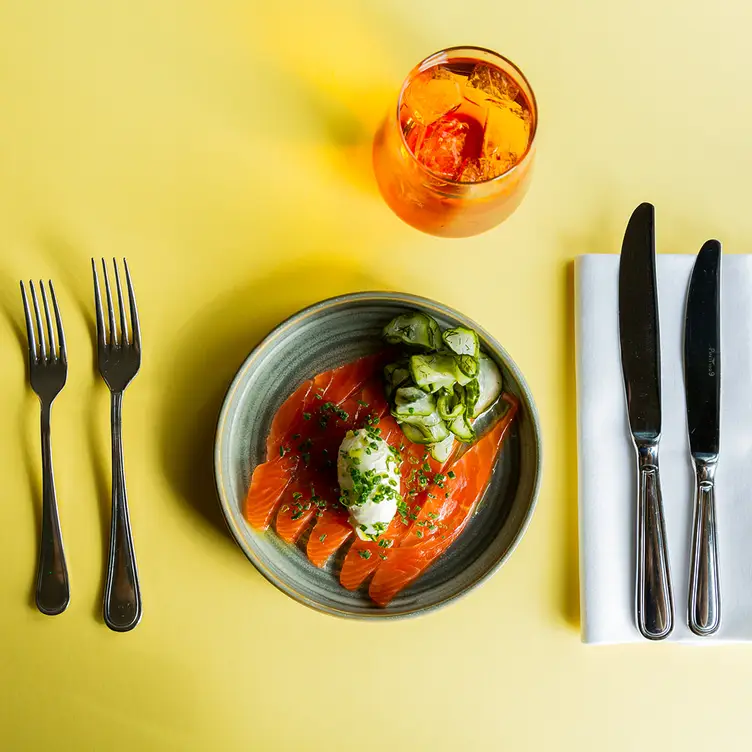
(702,379)
(641,364)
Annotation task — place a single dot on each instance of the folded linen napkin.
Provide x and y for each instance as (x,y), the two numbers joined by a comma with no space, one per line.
(607,466)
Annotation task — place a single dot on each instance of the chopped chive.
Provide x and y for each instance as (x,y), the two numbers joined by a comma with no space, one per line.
(322,538)
(364,554)
(306,416)
(451,474)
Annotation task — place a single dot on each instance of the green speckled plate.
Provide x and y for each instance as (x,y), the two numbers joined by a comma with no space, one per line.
(321,337)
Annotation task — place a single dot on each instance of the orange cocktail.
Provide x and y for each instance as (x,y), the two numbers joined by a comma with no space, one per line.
(455,158)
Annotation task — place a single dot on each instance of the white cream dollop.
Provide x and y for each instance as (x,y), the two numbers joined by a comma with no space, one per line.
(369,458)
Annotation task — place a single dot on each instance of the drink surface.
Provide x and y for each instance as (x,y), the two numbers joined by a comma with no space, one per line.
(466,121)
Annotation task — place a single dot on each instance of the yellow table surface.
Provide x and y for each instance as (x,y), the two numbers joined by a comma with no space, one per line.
(224,148)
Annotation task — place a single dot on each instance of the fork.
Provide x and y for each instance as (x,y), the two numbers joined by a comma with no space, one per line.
(48,370)
(119,357)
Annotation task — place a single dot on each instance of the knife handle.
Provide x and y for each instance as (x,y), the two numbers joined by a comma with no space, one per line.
(704,591)
(655,604)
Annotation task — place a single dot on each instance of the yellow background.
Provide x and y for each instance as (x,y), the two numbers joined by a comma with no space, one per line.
(224,148)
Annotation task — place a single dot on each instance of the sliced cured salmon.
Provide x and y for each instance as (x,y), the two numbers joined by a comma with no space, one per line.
(329,533)
(268,484)
(405,563)
(297,489)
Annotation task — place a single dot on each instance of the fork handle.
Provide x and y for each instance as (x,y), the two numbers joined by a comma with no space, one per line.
(53,589)
(122,596)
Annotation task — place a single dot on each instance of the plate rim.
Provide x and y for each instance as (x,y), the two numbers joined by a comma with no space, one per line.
(407,299)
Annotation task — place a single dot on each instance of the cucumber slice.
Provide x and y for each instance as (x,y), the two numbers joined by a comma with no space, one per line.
(462,341)
(462,429)
(409,400)
(449,404)
(428,421)
(395,375)
(420,434)
(437,371)
(414,329)
(468,365)
(442,449)
(472,392)
(489,385)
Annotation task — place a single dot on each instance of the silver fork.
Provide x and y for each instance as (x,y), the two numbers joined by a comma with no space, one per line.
(48,370)
(119,356)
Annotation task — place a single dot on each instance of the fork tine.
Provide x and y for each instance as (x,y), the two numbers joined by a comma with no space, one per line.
(134,310)
(40,327)
(59,321)
(48,319)
(29,327)
(121,305)
(110,308)
(101,335)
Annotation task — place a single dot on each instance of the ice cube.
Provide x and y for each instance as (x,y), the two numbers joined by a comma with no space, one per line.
(448,142)
(497,165)
(432,94)
(472,171)
(493,82)
(506,134)
(441,148)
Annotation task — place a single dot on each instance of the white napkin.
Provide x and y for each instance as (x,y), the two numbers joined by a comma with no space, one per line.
(607,465)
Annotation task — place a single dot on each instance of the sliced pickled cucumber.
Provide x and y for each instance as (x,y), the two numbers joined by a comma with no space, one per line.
(414,329)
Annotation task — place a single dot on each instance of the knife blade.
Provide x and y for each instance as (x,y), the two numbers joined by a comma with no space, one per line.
(702,380)
(639,335)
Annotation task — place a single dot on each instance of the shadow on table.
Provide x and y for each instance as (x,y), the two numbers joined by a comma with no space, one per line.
(603,235)
(208,354)
(345,95)
(571,594)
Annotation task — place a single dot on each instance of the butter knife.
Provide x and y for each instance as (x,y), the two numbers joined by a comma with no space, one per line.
(641,364)
(702,381)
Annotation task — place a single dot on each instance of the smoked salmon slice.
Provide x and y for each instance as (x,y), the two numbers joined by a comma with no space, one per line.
(329,533)
(331,386)
(289,415)
(405,563)
(297,486)
(268,484)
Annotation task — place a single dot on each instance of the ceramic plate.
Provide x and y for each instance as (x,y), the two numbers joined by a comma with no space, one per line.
(327,335)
